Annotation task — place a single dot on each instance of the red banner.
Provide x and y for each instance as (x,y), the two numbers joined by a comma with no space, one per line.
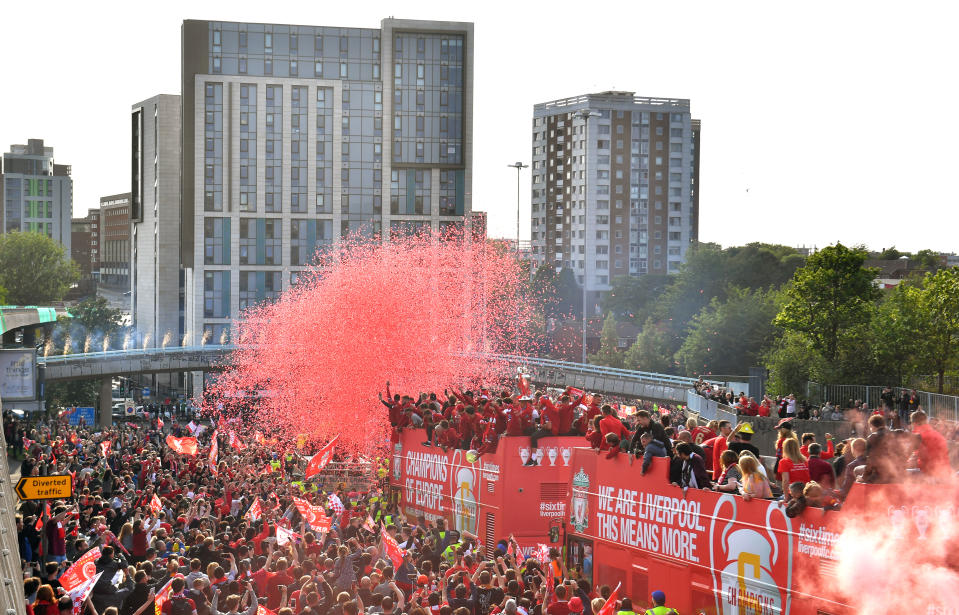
(161,597)
(184,446)
(391,548)
(315,516)
(255,511)
(155,504)
(84,569)
(319,460)
(105,447)
(610,607)
(235,441)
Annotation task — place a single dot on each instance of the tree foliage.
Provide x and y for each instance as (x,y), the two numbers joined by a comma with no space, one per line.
(34,269)
(632,299)
(652,351)
(830,295)
(938,300)
(609,353)
(729,337)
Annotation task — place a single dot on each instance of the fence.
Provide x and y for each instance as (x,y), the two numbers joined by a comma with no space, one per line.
(709,409)
(945,407)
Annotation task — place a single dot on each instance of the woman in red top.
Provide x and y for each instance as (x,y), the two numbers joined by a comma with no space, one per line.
(46,603)
(792,466)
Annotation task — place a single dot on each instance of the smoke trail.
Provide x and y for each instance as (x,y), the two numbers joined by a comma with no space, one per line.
(166,339)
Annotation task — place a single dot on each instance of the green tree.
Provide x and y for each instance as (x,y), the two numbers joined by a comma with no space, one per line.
(631,298)
(891,254)
(938,299)
(72,393)
(95,314)
(830,295)
(928,259)
(35,269)
(792,363)
(893,333)
(729,337)
(653,349)
(609,353)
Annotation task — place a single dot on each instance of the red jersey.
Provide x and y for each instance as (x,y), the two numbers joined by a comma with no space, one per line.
(798,472)
(702,433)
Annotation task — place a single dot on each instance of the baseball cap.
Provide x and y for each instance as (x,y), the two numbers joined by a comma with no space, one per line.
(575,605)
(787,422)
(659,596)
(422,580)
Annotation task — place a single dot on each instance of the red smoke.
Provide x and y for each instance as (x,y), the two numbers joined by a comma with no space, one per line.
(419,312)
(897,551)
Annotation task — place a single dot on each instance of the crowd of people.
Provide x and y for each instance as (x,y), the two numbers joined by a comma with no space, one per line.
(156,524)
(202,519)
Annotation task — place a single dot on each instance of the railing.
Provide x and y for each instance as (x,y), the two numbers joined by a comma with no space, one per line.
(709,409)
(944,407)
(133,353)
(596,370)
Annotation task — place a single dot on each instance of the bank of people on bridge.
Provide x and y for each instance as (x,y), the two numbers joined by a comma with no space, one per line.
(165,527)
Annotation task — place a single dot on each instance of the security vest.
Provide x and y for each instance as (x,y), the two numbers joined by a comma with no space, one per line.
(450,553)
(662,610)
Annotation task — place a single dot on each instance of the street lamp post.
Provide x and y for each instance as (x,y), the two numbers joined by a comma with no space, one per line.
(585,114)
(518,166)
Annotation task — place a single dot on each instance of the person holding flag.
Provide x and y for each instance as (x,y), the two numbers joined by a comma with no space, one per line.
(319,460)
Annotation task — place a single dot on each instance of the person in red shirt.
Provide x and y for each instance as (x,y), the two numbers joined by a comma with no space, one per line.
(610,424)
(273,583)
(717,445)
(177,597)
(793,466)
(810,438)
(933,453)
(594,435)
(700,433)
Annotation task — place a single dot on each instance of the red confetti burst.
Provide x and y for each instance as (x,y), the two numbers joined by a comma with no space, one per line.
(423,313)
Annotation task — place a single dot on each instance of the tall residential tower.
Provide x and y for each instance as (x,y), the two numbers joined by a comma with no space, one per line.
(295,136)
(614,193)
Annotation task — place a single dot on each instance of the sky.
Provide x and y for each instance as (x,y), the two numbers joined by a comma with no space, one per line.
(821,121)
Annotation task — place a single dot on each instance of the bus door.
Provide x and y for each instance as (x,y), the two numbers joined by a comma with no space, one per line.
(579,556)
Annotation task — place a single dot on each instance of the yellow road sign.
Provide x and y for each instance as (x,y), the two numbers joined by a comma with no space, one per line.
(45,487)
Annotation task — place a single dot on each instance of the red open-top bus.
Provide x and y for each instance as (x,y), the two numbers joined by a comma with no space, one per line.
(713,552)
(492,498)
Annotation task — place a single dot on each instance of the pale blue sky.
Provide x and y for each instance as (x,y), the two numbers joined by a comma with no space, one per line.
(836,116)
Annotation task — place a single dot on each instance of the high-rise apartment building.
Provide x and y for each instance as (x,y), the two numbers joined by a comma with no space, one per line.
(614,194)
(115,241)
(37,194)
(296,136)
(156,276)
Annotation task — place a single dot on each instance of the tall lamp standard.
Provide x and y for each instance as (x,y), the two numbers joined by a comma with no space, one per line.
(585,114)
(518,166)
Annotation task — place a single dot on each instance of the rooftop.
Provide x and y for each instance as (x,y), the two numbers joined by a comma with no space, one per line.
(609,98)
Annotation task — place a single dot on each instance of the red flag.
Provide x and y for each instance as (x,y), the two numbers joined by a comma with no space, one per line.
(284,535)
(84,569)
(610,607)
(574,392)
(80,593)
(214,451)
(258,438)
(262,610)
(314,515)
(391,548)
(255,511)
(105,447)
(155,504)
(160,423)
(162,596)
(319,460)
(524,384)
(184,446)
(235,441)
